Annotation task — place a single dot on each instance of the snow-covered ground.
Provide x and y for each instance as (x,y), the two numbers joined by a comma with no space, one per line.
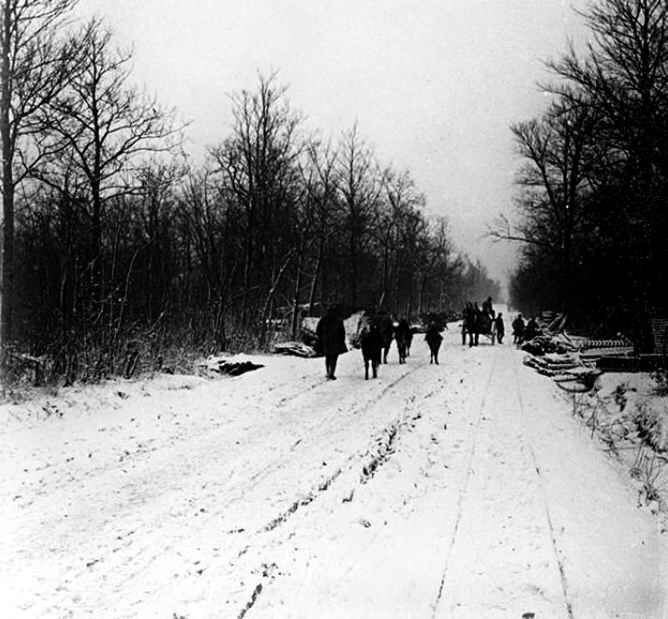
(466,489)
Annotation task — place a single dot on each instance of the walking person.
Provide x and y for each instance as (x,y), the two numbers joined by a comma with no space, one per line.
(433,338)
(500,328)
(474,340)
(332,339)
(532,329)
(518,330)
(467,321)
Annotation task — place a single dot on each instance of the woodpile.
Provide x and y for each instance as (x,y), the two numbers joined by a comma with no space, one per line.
(230,366)
(297,349)
(567,370)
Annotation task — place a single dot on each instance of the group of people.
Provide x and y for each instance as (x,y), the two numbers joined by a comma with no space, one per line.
(523,332)
(376,337)
(481,320)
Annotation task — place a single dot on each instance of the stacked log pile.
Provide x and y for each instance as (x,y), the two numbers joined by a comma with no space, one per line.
(297,349)
(230,366)
(567,370)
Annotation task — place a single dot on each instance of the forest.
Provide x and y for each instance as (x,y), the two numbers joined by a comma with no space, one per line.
(119,250)
(592,188)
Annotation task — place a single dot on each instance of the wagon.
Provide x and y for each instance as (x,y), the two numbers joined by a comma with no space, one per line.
(485,326)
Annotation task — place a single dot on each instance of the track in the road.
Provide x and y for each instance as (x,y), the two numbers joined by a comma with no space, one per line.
(464,488)
(479,410)
(322,424)
(548,517)
(307,499)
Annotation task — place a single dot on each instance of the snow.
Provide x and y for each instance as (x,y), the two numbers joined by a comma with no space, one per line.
(458,490)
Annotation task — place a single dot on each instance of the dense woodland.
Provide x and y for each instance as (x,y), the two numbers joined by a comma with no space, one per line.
(116,244)
(593,186)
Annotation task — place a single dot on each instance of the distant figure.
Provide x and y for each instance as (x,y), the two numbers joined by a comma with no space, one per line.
(372,345)
(403,336)
(500,328)
(518,330)
(433,338)
(531,330)
(487,307)
(466,320)
(477,320)
(332,339)
(386,327)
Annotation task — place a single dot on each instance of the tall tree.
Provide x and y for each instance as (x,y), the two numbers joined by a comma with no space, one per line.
(401,201)
(625,76)
(34,64)
(554,182)
(360,183)
(107,125)
(257,166)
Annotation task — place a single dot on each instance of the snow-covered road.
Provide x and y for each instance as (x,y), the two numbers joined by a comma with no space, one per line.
(460,490)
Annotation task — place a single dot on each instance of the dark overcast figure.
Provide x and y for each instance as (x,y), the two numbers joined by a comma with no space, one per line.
(518,330)
(433,338)
(500,328)
(386,327)
(403,336)
(487,307)
(531,330)
(332,338)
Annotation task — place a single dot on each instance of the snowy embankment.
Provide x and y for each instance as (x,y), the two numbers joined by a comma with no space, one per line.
(459,490)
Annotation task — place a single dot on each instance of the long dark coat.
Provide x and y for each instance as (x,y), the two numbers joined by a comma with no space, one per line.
(386,328)
(403,331)
(331,334)
(433,337)
(518,327)
(371,344)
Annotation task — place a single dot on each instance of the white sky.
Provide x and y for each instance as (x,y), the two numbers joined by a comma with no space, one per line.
(434,84)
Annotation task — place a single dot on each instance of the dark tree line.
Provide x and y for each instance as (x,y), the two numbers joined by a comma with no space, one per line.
(594,183)
(116,244)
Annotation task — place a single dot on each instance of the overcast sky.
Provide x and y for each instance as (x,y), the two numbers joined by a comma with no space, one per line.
(434,84)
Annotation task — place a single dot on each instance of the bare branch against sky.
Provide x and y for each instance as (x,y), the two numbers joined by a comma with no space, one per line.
(433,84)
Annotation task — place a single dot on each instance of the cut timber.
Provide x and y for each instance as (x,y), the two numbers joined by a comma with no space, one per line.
(232,366)
(296,349)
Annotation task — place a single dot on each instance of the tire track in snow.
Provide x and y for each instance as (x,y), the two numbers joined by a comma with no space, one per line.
(385,449)
(324,485)
(323,425)
(548,517)
(464,488)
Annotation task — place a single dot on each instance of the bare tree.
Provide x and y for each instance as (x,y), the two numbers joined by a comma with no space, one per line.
(625,77)
(322,159)
(359,180)
(257,164)
(401,201)
(34,65)
(555,180)
(107,124)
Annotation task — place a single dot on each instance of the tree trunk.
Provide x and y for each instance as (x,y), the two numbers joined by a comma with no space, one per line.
(7,261)
(353,270)
(270,296)
(298,285)
(314,282)
(383,294)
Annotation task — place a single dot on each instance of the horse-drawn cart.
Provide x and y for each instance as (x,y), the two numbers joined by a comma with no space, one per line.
(476,325)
